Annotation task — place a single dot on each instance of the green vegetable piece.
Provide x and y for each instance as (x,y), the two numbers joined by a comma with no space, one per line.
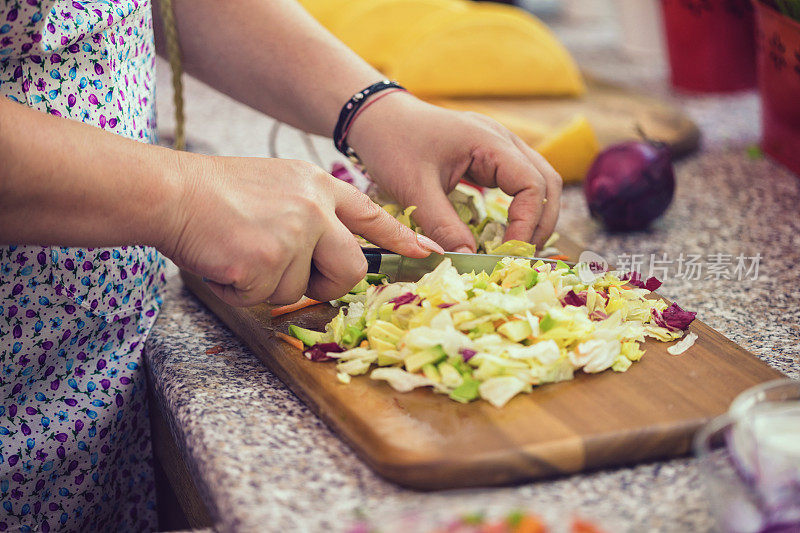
(461,367)
(514,518)
(387,359)
(375,279)
(466,392)
(352,336)
(547,323)
(561,264)
(514,248)
(417,360)
(517,291)
(306,336)
(477,229)
(450,376)
(481,283)
(350,298)
(431,372)
(381,346)
(754,151)
(384,331)
(515,330)
(361,287)
(486,328)
(496,271)
(531,279)
(473,519)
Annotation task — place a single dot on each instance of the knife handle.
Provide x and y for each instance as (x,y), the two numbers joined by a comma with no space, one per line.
(373,256)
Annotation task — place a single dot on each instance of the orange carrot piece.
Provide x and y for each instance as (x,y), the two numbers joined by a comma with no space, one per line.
(297,343)
(558,257)
(583,526)
(530,524)
(300,304)
(364,344)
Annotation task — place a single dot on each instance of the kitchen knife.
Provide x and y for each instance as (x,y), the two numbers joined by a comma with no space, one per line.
(400,268)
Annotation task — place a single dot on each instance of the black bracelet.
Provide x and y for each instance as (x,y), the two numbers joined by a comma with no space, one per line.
(350,111)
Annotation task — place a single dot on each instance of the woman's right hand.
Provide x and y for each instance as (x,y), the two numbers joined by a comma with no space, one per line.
(272,229)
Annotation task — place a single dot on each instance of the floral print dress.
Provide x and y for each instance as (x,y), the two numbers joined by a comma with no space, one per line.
(74,433)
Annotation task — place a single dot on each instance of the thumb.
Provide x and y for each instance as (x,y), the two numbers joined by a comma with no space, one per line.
(440,221)
(364,217)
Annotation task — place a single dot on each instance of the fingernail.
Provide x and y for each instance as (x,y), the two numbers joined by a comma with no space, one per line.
(464,250)
(429,244)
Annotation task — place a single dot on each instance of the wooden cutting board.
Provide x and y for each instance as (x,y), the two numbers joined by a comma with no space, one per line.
(616,114)
(427,441)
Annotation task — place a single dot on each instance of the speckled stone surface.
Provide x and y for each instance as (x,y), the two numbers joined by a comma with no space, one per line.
(264,462)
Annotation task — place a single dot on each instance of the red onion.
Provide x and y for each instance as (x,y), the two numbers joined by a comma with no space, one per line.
(630,184)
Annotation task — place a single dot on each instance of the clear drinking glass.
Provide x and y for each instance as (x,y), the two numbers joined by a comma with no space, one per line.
(750,460)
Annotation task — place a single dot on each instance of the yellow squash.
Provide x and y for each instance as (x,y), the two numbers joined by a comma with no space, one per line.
(377,28)
(571,149)
(325,10)
(486,50)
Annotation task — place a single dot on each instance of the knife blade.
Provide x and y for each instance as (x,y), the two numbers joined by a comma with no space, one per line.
(401,268)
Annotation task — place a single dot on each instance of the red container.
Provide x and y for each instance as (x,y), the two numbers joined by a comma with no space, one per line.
(778,42)
(711,44)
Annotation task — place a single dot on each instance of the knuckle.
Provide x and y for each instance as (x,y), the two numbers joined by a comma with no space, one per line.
(308,207)
(268,256)
(537,186)
(286,295)
(313,178)
(234,274)
(369,211)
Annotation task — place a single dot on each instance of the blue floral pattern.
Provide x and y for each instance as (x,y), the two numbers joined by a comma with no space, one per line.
(74,432)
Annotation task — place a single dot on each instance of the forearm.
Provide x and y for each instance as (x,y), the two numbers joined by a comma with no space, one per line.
(69,184)
(272,56)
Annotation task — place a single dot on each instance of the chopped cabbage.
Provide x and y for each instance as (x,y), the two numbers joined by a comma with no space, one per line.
(493,336)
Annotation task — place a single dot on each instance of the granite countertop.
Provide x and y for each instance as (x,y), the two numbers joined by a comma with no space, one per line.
(263,461)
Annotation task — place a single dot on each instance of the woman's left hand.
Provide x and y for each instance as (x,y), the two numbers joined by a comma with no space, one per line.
(418,152)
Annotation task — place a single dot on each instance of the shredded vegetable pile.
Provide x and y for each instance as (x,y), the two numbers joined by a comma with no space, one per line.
(493,336)
(484,213)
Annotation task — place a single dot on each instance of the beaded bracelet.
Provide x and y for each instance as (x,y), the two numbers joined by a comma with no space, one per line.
(352,109)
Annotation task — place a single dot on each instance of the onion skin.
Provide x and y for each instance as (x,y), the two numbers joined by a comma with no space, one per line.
(630,184)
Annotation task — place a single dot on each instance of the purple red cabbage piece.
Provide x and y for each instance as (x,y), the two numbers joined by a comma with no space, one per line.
(598,315)
(405,298)
(467,354)
(635,279)
(576,299)
(673,318)
(319,352)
